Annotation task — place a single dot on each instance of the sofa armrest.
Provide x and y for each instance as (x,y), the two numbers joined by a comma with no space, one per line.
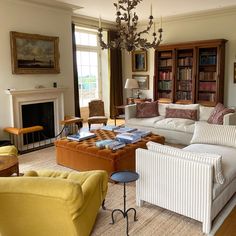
(179,185)
(130,111)
(230,119)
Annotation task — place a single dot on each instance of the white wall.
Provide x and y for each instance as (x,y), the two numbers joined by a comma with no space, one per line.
(34,19)
(202,27)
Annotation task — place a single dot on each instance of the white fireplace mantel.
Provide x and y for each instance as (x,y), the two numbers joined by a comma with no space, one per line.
(32,96)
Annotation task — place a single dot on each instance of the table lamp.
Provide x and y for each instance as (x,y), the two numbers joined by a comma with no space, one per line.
(131,84)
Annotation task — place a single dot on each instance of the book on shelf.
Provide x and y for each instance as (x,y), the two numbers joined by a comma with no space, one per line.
(114,145)
(128,137)
(125,129)
(142,133)
(102,143)
(81,136)
(110,127)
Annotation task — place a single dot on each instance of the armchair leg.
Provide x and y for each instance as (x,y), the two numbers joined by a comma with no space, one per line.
(103,205)
(89,125)
(105,124)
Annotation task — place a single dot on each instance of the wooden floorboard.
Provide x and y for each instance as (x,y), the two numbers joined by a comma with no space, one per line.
(228,228)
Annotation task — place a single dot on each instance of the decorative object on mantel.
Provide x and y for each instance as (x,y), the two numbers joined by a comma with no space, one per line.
(34,54)
(131,84)
(139,61)
(143,81)
(127,36)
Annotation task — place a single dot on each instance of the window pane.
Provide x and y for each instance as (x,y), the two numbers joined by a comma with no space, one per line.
(93,40)
(85,39)
(93,58)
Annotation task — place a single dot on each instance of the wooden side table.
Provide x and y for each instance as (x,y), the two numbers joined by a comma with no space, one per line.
(8,166)
(138,100)
(119,112)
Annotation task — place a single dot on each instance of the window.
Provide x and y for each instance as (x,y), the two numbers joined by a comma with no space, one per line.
(88,62)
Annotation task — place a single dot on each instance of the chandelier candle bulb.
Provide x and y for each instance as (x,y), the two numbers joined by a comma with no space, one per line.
(100,23)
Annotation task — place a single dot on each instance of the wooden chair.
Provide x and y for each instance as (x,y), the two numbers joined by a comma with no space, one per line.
(96,113)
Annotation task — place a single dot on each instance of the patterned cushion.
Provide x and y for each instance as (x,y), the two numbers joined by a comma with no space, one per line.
(147,110)
(218,113)
(181,113)
(214,134)
(209,158)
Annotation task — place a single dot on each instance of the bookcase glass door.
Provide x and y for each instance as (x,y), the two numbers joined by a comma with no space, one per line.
(184,80)
(165,76)
(207,75)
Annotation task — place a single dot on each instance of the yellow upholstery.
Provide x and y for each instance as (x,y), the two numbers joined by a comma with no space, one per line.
(8,151)
(51,203)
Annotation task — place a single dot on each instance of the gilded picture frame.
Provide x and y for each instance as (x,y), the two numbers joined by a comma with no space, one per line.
(139,61)
(143,81)
(34,53)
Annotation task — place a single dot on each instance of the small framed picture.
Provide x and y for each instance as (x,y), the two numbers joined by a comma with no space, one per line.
(143,81)
(235,72)
(139,61)
(34,53)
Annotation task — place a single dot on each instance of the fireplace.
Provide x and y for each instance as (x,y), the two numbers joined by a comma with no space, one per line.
(43,107)
(39,114)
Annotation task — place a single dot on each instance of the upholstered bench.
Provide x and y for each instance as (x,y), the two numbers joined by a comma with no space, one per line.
(85,155)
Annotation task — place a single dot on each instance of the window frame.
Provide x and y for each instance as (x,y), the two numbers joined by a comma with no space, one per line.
(88,48)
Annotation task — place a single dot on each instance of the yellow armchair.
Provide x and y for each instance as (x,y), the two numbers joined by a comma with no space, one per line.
(51,203)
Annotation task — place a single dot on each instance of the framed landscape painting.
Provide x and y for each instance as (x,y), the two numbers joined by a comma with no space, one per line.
(34,53)
(143,81)
(139,61)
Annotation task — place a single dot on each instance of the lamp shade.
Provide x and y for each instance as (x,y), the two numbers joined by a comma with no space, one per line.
(131,84)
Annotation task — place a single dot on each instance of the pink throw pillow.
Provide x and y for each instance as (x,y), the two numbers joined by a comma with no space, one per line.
(218,113)
(147,109)
(181,113)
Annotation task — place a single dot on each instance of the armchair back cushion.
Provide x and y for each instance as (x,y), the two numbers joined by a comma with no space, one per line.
(209,158)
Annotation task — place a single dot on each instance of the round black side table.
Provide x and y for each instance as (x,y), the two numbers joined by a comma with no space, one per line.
(124,177)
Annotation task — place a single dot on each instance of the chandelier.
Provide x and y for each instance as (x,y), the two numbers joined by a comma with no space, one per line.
(126,23)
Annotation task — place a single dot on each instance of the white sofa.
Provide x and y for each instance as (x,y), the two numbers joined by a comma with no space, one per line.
(175,130)
(187,186)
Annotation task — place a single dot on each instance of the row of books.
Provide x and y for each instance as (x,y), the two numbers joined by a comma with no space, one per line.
(184,85)
(183,95)
(165,62)
(185,74)
(164,95)
(122,139)
(207,86)
(207,59)
(207,97)
(187,61)
(163,75)
(207,76)
(164,85)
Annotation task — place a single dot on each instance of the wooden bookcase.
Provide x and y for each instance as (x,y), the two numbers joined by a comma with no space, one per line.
(190,72)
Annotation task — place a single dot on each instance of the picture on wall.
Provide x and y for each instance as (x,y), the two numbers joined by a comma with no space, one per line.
(34,54)
(139,61)
(143,81)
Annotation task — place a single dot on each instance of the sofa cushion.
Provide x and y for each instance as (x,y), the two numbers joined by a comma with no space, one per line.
(181,113)
(178,124)
(214,134)
(205,112)
(218,113)
(149,122)
(147,110)
(228,162)
(209,158)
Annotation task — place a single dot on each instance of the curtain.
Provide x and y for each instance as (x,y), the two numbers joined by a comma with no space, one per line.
(75,73)
(116,84)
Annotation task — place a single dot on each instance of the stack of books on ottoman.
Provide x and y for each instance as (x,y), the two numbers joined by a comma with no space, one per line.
(132,137)
(81,136)
(110,144)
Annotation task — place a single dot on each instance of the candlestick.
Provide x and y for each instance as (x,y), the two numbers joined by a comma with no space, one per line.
(154,27)
(161,22)
(151,10)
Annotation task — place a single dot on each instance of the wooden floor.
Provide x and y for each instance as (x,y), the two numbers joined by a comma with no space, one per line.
(228,228)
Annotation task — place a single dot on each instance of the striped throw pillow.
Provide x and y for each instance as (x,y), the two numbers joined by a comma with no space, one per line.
(214,134)
(209,158)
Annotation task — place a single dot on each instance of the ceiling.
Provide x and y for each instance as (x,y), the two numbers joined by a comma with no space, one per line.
(105,8)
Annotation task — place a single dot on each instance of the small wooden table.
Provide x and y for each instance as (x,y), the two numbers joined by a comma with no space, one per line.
(8,166)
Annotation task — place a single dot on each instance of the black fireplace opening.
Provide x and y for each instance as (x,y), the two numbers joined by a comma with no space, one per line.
(38,114)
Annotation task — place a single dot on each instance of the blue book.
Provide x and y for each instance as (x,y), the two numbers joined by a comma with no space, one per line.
(110,127)
(103,143)
(142,133)
(115,144)
(129,136)
(125,130)
(81,136)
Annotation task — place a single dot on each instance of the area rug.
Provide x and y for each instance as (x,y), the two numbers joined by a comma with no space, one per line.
(152,220)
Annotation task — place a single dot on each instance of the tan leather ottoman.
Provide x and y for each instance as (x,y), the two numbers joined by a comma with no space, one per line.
(85,155)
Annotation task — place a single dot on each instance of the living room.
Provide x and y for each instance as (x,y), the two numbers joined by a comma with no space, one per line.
(54,19)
